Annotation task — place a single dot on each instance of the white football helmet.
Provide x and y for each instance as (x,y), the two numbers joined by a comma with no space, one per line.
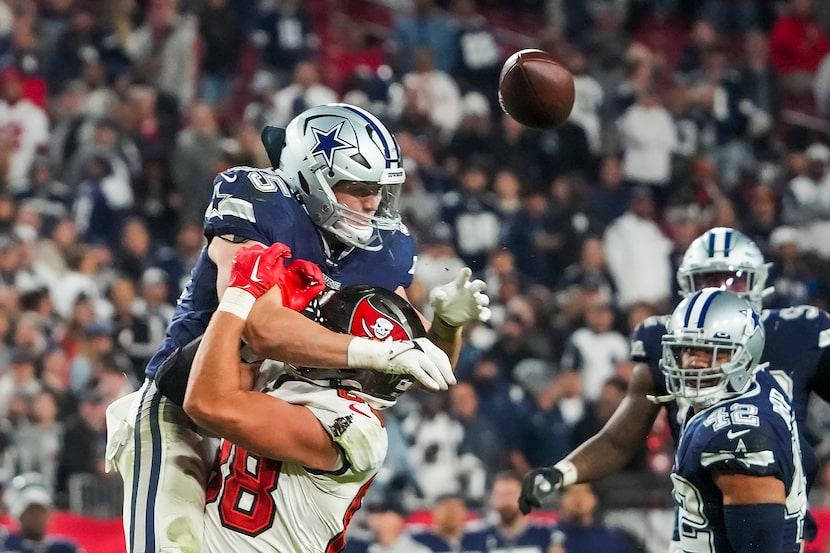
(717,320)
(371,312)
(726,258)
(330,143)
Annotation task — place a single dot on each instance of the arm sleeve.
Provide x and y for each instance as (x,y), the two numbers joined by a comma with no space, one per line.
(755,528)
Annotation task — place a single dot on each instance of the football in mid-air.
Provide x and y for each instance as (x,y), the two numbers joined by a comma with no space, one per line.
(535,90)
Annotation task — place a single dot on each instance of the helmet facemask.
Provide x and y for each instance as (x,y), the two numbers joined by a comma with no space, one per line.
(728,259)
(724,324)
(704,386)
(334,143)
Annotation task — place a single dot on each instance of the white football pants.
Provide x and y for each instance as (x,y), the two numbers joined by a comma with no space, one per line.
(164,464)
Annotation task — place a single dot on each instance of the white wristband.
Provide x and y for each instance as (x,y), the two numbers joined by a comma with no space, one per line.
(367,354)
(237,302)
(568,470)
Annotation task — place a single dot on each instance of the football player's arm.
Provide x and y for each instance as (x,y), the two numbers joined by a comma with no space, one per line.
(753,512)
(447,339)
(454,305)
(221,251)
(275,329)
(607,451)
(625,433)
(218,400)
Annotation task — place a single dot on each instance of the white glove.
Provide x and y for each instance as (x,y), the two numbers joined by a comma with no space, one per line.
(460,301)
(419,358)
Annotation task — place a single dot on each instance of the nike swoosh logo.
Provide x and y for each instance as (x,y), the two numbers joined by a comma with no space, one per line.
(732,434)
(255,270)
(358,411)
(229,178)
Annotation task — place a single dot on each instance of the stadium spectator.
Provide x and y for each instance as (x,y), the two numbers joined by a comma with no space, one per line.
(24,128)
(20,379)
(806,201)
(479,53)
(284,37)
(84,444)
(792,277)
(648,138)
(222,38)
(31,505)
(447,531)
(589,99)
(579,528)
(640,273)
(426,25)
(472,215)
(387,524)
(797,45)
(162,50)
(595,349)
(539,430)
(195,161)
(482,438)
(305,90)
(434,439)
(509,528)
(37,439)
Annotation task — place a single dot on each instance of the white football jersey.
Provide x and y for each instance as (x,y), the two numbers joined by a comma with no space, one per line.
(262,505)
(24,127)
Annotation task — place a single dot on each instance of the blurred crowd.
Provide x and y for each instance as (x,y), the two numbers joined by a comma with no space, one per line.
(116,114)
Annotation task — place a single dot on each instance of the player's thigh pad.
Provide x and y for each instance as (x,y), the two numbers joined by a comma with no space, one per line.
(165,470)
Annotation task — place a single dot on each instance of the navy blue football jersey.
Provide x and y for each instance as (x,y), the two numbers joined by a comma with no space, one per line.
(438,544)
(535,538)
(255,204)
(14,543)
(753,434)
(797,340)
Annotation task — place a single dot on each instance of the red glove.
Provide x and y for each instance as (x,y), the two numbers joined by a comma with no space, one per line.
(257,269)
(300,283)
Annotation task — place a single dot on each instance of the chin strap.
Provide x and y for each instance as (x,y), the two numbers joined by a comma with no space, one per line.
(659,400)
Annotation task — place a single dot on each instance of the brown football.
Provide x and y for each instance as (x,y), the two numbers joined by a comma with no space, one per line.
(535,90)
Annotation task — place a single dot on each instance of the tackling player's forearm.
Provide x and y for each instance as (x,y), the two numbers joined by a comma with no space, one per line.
(215,374)
(276,332)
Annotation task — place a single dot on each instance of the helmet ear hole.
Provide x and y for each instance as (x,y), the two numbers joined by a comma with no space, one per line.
(303,183)
(358,157)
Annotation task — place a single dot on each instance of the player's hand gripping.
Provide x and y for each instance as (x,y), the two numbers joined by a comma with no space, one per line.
(538,484)
(460,301)
(257,269)
(419,358)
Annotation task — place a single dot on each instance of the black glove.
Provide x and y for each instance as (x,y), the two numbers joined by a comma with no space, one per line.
(171,376)
(535,479)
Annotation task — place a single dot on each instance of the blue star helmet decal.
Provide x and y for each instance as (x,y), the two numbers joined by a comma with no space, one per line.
(755,319)
(328,142)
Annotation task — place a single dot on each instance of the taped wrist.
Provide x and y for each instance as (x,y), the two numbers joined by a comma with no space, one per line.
(568,470)
(755,527)
(237,302)
(368,354)
(443,330)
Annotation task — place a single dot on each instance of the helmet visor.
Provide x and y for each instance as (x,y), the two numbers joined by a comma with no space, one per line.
(735,281)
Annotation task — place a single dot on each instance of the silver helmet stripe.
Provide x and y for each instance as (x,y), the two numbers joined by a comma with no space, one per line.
(698,307)
(720,241)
